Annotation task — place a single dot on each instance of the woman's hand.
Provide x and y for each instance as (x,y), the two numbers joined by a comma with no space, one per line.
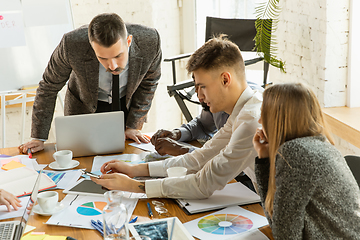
(261,144)
(9,200)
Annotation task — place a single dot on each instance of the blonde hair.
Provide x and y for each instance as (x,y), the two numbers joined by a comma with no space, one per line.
(289,111)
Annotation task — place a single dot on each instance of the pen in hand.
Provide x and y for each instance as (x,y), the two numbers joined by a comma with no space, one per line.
(149,211)
(29,153)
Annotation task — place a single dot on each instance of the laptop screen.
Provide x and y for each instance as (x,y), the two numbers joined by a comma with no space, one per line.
(32,200)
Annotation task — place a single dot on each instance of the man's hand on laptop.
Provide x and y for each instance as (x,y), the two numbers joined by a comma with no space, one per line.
(9,200)
(35,145)
(136,135)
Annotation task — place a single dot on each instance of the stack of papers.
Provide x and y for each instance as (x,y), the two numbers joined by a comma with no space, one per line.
(231,195)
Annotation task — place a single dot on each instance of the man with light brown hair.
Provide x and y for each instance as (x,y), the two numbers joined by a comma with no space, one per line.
(219,75)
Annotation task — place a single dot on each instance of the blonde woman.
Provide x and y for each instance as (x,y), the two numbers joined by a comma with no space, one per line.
(306,187)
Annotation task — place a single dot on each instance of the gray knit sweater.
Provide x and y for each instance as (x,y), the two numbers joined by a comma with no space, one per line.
(317,198)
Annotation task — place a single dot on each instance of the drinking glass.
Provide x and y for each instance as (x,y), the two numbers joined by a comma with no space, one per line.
(115,216)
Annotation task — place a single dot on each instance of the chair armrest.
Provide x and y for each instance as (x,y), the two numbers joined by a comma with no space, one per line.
(177,57)
(181,85)
(253,61)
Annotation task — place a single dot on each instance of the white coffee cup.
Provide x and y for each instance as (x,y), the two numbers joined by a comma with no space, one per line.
(48,201)
(63,157)
(176,171)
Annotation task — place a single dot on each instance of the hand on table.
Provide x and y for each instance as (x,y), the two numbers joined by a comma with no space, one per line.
(116,166)
(9,200)
(169,146)
(132,170)
(136,135)
(119,181)
(261,144)
(162,133)
(35,146)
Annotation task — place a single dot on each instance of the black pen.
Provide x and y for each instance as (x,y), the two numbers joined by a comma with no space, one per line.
(149,211)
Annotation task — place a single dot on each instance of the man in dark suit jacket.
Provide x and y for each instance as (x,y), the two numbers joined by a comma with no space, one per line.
(131,51)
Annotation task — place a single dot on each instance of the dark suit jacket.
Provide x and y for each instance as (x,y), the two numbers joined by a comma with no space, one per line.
(75,60)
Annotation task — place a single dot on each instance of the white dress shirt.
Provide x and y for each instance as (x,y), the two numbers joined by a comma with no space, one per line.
(220,160)
(105,83)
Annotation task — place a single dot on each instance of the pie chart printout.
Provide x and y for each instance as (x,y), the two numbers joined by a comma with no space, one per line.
(91,208)
(225,224)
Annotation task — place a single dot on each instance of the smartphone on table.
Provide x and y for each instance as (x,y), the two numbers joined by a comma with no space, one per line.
(90,174)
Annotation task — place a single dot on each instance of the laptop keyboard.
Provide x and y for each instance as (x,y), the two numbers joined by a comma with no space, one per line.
(6,231)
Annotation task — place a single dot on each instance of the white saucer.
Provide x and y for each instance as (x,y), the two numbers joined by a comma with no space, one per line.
(37,209)
(54,165)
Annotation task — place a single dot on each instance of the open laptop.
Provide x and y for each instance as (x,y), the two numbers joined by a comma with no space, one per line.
(91,134)
(13,230)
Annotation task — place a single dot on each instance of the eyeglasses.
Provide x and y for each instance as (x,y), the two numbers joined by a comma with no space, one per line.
(160,209)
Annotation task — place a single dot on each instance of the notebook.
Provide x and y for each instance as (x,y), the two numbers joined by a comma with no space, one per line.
(13,230)
(231,195)
(20,181)
(91,134)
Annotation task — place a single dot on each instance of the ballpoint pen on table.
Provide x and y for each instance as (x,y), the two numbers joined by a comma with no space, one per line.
(133,220)
(100,225)
(149,211)
(97,227)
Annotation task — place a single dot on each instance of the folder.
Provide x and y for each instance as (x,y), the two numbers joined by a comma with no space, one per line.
(231,195)
(20,181)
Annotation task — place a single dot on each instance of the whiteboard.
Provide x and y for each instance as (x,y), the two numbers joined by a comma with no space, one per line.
(30,30)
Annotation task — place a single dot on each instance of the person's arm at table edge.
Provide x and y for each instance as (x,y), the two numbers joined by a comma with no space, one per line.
(112,180)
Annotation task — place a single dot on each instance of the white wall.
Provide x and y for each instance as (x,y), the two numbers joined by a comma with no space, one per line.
(312,39)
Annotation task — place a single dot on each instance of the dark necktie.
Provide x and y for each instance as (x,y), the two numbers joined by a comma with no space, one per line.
(115,106)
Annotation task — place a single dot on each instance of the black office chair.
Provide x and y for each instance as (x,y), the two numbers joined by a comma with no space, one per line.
(239,31)
(354,165)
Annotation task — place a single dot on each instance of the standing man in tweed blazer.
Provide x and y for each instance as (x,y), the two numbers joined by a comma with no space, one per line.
(128,50)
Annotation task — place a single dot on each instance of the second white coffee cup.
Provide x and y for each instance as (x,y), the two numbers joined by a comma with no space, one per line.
(176,171)
(63,157)
(48,201)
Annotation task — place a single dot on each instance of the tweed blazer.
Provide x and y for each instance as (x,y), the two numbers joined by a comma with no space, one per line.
(74,61)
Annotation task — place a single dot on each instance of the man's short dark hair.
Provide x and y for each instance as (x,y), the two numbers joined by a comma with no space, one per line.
(216,53)
(106,29)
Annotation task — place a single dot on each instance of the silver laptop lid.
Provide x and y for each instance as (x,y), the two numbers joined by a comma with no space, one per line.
(91,134)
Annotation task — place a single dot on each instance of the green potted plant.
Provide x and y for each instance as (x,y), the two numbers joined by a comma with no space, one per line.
(267,15)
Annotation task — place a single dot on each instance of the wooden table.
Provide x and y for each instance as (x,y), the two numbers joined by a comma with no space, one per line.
(45,157)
